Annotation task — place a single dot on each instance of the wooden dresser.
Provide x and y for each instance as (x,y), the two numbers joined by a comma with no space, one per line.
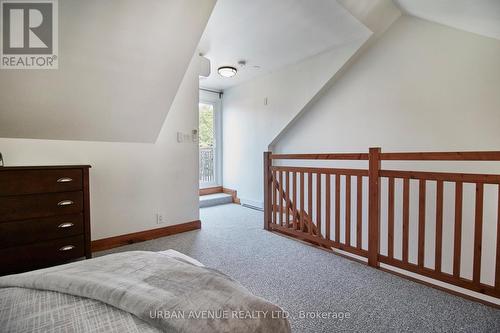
(44,216)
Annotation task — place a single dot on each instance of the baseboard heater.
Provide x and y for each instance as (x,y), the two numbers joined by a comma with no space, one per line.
(252,204)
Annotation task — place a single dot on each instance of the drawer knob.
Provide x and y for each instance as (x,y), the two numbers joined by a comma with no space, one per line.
(67,248)
(65,225)
(65,203)
(64,180)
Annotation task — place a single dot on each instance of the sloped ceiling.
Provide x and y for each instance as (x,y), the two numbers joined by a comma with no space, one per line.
(478,16)
(378,15)
(272,34)
(120,65)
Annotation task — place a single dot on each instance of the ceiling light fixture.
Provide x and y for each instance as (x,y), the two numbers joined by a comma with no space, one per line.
(227,71)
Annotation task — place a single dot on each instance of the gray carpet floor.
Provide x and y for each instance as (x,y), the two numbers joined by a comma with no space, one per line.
(299,277)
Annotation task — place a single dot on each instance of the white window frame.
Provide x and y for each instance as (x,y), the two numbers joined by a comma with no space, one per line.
(214,100)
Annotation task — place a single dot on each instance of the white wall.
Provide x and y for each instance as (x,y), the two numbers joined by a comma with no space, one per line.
(121,63)
(131,182)
(249,125)
(421,87)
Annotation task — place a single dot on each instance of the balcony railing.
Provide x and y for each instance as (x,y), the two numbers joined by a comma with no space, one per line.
(207,171)
(335,207)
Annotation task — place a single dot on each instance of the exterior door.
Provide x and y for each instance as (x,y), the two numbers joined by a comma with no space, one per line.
(209,143)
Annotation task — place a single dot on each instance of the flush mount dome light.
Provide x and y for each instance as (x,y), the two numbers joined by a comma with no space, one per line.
(227,71)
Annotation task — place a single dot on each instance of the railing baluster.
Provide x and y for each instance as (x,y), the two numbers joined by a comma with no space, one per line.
(421,222)
(275,198)
(406,219)
(337,208)
(439,225)
(294,194)
(328,206)
(478,234)
(302,210)
(348,210)
(390,222)
(318,204)
(457,244)
(281,197)
(309,201)
(287,199)
(359,212)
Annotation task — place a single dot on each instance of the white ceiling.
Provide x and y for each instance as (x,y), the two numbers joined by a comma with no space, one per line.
(272,34)
(120,65)
(478,16)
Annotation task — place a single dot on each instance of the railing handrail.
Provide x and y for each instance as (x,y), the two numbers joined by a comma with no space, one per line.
(333,156)
(442,156)
(398,156)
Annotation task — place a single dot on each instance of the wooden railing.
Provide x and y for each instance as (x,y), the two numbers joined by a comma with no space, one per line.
(340,208)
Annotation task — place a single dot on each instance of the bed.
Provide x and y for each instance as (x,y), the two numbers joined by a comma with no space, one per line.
(136,291)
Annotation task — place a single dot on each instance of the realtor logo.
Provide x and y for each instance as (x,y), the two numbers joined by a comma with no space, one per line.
(29,34)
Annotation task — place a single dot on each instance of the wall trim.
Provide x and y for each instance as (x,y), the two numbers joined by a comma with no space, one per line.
(220,189)
(210,190)
(233,193)
(141,236)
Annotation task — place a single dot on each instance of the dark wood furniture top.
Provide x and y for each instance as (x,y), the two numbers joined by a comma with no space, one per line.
(44,216)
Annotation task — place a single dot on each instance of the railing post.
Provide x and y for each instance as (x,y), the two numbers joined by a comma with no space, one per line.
(267,189)
(374,207)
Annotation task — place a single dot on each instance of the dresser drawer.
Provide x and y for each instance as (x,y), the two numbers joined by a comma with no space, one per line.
(15,259)
(40,205)
(16,182)
(42,229)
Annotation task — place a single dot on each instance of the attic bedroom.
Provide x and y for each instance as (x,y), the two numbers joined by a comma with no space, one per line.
(249,166)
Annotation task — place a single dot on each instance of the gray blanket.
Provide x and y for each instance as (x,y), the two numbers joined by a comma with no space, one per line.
(167,293)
